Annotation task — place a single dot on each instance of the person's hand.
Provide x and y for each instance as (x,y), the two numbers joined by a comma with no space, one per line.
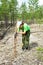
(20,32)
(17,32)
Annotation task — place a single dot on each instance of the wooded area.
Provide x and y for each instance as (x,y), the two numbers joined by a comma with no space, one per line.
(10,12)
(11,52)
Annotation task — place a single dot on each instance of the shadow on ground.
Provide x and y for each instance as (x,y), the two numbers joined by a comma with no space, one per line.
(33,45)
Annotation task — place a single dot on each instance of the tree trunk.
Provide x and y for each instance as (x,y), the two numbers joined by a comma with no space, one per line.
(6,20)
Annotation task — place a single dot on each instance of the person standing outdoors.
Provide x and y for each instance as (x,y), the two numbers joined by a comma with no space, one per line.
(25,34)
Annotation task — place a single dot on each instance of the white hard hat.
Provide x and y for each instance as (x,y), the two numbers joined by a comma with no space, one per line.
(19,23)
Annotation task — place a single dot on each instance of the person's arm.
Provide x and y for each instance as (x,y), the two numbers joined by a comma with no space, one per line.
(22,32)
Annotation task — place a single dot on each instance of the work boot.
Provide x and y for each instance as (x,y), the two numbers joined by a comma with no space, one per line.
(23,48)
(26,48)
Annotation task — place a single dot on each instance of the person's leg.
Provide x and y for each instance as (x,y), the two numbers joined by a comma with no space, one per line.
(23,40)
(27,40)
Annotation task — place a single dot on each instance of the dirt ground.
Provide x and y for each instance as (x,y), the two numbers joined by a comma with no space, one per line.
(11,56)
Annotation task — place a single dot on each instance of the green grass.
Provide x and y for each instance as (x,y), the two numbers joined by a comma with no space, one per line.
(40,53)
